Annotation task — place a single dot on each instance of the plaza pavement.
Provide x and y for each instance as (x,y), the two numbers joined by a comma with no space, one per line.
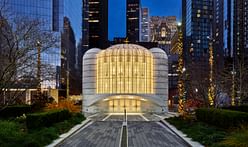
(141,133)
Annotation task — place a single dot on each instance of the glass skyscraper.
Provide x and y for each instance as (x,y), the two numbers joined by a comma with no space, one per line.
(197,24)
(52,14)
(230,30)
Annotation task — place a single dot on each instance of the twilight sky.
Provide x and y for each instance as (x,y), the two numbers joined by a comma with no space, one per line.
(117,13)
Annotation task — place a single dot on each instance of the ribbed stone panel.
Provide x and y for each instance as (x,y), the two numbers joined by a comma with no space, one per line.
(161,73)
(94,102)
(89,75)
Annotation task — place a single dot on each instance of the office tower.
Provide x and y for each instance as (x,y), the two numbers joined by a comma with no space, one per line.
(197,27)
(133,20)
(197,18)
(219,28)
(95,25)
(240,35)
(57,16)
(85,27)
(230,29)
(145,25)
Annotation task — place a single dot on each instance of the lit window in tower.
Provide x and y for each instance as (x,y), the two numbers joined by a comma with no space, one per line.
(125,71)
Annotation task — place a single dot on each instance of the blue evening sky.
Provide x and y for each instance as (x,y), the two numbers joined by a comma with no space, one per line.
(117,13)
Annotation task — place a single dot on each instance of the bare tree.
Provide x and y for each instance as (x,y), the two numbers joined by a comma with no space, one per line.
(241,78)
(18,52)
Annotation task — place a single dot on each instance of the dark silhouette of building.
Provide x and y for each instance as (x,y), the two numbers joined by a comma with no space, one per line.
(133,20)
(197,18)
(69,73)
(95,24)
(219,29)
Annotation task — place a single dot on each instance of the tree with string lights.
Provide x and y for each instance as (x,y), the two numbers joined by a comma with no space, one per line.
(181,70)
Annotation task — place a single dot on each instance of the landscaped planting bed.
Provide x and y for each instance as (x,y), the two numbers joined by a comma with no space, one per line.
(222,118)
(37,120)
(241,108)
(14,132)
(215,127)
(14,111)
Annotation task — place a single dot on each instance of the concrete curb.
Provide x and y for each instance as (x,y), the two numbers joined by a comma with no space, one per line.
(73,130)
(182,135)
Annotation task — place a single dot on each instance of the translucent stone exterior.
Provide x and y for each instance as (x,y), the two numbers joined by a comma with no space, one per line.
(125,76)
(120,70)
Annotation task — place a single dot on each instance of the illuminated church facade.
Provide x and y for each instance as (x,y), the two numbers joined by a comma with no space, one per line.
(125,77)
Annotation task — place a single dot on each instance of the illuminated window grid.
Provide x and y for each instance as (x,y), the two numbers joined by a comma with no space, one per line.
(125,71)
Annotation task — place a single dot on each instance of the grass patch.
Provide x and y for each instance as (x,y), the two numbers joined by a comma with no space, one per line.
(198,131)
(238,138)
(15,133)
(211,136)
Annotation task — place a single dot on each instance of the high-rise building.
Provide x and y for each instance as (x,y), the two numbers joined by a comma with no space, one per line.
(95,24)
(145,25)
(218,28)
(162,29)
(230,29)
(197,18)
(69,70)
(171,22)
(227,12)
(240,29)
(133,20)
(61,18)
(197,21)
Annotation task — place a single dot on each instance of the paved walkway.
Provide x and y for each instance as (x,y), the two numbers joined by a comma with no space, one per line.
(98,134)
(121,118)
(152,134)
(141,133)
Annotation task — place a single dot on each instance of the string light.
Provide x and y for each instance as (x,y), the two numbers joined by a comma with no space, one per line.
(181,70)
(211,84)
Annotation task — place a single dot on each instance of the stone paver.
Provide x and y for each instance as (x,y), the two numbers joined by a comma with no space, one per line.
(121,118)
(152,117)
(141,133)
(98,117)
(98,134)
(152,134)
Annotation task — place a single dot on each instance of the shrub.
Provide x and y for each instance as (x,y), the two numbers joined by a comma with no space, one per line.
(198,131)
(14,111)
(237,138)
(221,118)
(11,133)
(46,119)
(64,104)
(242,108)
